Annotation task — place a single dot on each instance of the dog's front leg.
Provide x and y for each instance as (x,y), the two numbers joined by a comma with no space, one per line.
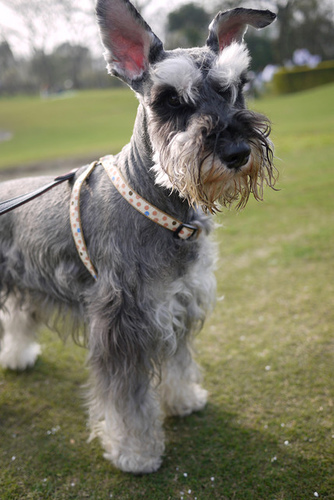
(124,408)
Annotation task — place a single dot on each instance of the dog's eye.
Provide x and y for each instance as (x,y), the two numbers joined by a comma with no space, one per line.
(173,100)
(225,92)
(244,79)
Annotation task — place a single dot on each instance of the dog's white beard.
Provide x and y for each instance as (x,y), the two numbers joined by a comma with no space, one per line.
(204,180)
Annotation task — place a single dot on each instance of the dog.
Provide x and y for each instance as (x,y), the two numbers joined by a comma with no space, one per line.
(137,278)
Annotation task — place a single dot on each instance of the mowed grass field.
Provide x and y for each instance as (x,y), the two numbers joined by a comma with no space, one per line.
(267,350)
(85,124)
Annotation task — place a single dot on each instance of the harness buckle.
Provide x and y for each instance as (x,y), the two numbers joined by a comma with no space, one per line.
(192,236)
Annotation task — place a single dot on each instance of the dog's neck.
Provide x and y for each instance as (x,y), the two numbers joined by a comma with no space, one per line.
(135,162)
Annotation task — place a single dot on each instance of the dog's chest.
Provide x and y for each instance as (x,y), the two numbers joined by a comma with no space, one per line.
(185,300)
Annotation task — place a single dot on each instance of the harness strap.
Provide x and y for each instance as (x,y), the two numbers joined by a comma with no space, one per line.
(8,205)
(75,219)
(180,230)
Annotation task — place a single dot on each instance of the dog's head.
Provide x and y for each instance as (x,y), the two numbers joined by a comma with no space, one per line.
(205,143)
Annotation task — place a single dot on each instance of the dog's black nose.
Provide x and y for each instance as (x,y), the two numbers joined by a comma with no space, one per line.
(235,155)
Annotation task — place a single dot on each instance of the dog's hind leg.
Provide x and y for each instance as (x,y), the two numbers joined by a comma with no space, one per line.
(18,347)
(180,390)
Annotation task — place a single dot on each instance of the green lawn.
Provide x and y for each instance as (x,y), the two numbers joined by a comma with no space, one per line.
(267,351)
(81,125)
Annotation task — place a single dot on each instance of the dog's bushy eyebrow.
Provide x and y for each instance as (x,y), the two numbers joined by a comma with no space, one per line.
(179,73)
(231,65)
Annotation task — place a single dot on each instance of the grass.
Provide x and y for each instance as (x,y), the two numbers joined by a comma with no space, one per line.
(267,355)
(85,124)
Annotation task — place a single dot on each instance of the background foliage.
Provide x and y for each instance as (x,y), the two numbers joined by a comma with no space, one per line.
(303,78)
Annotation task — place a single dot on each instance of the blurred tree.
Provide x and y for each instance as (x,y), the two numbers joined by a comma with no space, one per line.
(40,21)
(71,63)
(7,59)
(67,67)
(41,69)
(187,26)
(9,72)
(40,24)
(305,24)
(261,50)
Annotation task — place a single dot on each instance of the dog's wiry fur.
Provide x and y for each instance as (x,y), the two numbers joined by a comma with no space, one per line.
(195,147)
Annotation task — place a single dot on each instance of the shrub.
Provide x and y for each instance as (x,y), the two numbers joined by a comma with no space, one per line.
(303,77)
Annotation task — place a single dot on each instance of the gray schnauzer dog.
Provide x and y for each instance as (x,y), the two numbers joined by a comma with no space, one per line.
(195,147)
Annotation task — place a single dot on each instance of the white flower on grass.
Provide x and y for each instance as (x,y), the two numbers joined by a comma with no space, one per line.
(53,430)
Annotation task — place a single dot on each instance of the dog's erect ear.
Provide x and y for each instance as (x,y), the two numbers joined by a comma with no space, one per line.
(130,43)
(230,26)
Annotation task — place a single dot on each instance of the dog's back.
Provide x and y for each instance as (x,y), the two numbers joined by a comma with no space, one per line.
(33,236)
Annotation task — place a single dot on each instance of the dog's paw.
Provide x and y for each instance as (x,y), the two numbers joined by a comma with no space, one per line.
(189,399)
(15,359)
(133,462)
(139,455)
